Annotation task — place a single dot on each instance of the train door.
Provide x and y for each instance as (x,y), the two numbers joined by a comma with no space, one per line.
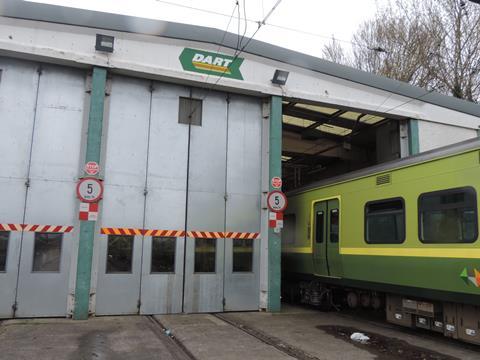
(320,238)
(326,219)
(333,236)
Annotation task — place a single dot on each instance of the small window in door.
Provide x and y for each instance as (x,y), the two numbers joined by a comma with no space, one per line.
(163,254)
(319,226)
(205,255)
(47,252)
(190,111)
(119,254)
(334,225)
(242,255)
(3,250)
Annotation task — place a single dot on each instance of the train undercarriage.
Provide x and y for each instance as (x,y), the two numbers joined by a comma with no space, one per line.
(454,320)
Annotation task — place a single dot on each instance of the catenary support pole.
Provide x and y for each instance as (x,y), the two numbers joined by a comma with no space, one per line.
(275,169)
(87,228)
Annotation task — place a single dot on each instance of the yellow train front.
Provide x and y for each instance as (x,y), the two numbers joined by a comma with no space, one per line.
(401,236)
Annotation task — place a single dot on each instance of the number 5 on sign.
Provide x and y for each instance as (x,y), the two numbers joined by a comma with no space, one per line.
(89,189)
(276,201)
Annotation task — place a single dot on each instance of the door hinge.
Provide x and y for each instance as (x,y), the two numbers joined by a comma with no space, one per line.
(224,302)
(27,183)
(139,304)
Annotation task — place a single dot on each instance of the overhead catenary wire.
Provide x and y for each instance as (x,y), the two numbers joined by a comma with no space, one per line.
(237,53)
(264,21)
(224,35)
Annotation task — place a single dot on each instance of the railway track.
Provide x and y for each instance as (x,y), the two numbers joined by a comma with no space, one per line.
(280,345)
(175,346)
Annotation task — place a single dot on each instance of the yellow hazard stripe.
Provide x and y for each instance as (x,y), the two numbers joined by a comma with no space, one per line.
(414,252)
(298,250)
(211,67)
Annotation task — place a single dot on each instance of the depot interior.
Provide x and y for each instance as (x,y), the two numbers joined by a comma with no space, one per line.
(320,141)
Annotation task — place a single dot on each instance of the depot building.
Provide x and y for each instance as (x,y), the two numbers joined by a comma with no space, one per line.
(137,158)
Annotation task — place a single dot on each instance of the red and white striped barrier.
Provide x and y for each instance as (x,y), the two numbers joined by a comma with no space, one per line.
(205,234)
(11,227)
(36,228)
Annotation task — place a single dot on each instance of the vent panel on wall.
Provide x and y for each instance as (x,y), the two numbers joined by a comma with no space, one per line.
(383,179)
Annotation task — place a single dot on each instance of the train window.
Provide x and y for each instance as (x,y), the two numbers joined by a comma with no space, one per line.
(448,216)
(163,254)
(385,221)
(289,229)
(205,255)
(3,249)
(47,252)
(334,225)
(319,224)
(119,254)
(242,255)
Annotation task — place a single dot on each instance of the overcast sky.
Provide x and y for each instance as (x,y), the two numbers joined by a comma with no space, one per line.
(316,21)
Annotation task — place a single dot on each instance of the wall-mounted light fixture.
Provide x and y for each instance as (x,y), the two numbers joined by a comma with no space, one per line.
(280,77)
(104,43)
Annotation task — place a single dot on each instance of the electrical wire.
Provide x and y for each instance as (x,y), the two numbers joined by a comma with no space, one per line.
(238,52)
(298,31)
(223,38)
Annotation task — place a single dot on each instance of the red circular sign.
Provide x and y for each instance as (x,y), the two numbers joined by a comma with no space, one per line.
(92,168)
(89,189)
(276,182)
(277,201)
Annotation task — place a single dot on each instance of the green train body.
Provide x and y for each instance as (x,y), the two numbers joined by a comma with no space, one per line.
(433,285)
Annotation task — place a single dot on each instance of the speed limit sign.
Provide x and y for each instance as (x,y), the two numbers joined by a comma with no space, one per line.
(89,189)
(276,201)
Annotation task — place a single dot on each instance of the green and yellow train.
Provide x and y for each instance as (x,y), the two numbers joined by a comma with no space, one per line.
(401,235)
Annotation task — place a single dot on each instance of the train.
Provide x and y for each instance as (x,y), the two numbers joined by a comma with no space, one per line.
(401,236)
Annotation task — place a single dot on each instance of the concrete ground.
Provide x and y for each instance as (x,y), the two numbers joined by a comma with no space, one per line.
(295,333)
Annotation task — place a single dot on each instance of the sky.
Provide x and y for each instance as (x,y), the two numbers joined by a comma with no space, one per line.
(315,22)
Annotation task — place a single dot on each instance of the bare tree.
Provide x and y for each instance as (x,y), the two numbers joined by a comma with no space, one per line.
(430,43)
(334,51)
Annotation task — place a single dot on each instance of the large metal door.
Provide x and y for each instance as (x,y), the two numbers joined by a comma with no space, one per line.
(44,159)
(45,256)
(162,247)
(141,249)
(204,266)
(243,204)
(18,88)
(120,252)
(162,270)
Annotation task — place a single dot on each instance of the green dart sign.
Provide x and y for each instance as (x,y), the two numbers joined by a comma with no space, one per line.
(211,63)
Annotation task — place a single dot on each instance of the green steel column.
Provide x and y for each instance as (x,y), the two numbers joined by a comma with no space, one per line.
(413,144)
(87,228)
(275,169)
